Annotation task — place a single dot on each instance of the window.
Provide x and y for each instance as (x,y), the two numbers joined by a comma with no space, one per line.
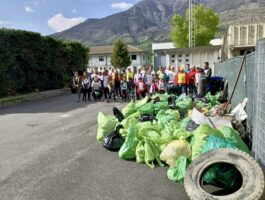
(187,55)
(134,57)
(172,56)
(172,61)
(187,60)
(180,55)
(180,60)
(101,58)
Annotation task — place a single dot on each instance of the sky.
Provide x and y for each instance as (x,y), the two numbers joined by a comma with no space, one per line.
(50,16)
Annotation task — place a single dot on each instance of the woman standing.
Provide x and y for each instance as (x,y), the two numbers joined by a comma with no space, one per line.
(77,84)
(106,85)
(86,84)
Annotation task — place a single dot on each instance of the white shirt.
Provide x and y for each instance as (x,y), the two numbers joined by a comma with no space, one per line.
(136,77)
(105,81)
(149,79)
(172,77)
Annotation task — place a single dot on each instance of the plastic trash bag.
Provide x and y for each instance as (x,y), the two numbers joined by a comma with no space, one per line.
(106,124)
(174,150)
(118,114)
(230,133)
(164,97)
(184,105)
(127,150)
(220,175)
(161,106)
(181,133)
(215,142)
(166,116)
(113,141)
(142,102)
(147,108)
(177,172)
(147,152)
(129,109)
(184,123)
(199,139)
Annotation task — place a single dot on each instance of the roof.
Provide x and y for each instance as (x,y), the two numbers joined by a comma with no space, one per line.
(109,49)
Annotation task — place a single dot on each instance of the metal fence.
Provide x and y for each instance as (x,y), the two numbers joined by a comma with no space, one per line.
(251,85)
(259,104)
(229,70)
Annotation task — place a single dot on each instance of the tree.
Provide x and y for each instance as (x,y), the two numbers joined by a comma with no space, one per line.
(204,28)
(120,56)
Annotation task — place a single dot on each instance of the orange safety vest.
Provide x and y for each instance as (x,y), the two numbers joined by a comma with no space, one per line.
(181,78)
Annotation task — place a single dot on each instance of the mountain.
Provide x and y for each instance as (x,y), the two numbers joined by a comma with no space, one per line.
(148,21)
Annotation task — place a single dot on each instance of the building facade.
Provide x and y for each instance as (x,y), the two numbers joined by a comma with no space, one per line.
(241,38)
(166,54)
(100,57)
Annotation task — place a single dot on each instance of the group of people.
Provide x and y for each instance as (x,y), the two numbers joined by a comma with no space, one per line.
(127,85)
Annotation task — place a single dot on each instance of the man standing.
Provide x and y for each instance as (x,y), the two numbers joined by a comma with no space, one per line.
(207,73)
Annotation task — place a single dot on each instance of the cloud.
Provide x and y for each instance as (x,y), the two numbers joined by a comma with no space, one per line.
(121,5)
(2,22)
(28,9)
(60,23)
(74,10)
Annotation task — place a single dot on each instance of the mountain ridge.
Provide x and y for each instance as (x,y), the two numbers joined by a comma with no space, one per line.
(148,21)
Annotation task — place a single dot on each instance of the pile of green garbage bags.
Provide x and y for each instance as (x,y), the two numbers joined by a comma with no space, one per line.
(165,140)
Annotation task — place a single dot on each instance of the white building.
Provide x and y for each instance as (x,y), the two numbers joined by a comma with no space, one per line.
(241,38)
(167,54)
(100,56)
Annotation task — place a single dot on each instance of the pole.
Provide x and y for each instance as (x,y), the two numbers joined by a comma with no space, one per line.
(190,23)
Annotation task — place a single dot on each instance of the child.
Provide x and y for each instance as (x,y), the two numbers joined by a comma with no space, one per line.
(140,89)
(131,87)
(154,88)
(124,89)
(148,80)
(161,86)
(96,89)
(111,90)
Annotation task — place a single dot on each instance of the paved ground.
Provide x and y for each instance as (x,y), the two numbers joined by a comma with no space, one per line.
(48,151)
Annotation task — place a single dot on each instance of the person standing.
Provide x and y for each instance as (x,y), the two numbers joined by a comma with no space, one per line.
(105,85)
(181,81)
(77,83)
(191,80)
(124,89)
(129,74)
(86,83)
(96,89)
(148,79)
(207,74)
(171,87)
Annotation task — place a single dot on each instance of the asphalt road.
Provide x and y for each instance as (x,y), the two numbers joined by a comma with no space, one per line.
(49,151)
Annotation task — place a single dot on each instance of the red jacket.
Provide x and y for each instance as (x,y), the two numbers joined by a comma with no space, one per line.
(191,77)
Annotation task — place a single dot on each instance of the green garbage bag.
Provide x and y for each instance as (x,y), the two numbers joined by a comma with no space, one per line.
(213,100)
(220,175)
(127,150)
(164,117)
(129,109)
(164,97)
(177,172)
(142,102)
(147,108)
(174,113)
(199,139)
(161,106)
(106,124)
(184,105)
(147,152)
(184,123)
(181,133)
(232,134)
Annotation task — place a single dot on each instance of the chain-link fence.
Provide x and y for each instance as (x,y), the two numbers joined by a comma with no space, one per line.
(259,104)
(251,84)
(229,70)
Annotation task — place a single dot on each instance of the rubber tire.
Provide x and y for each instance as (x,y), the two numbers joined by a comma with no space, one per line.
(252,174)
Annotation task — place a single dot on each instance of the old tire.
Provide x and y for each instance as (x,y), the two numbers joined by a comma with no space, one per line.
(253,178)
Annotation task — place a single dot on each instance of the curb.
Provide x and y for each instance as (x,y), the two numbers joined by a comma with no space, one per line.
(34,97)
